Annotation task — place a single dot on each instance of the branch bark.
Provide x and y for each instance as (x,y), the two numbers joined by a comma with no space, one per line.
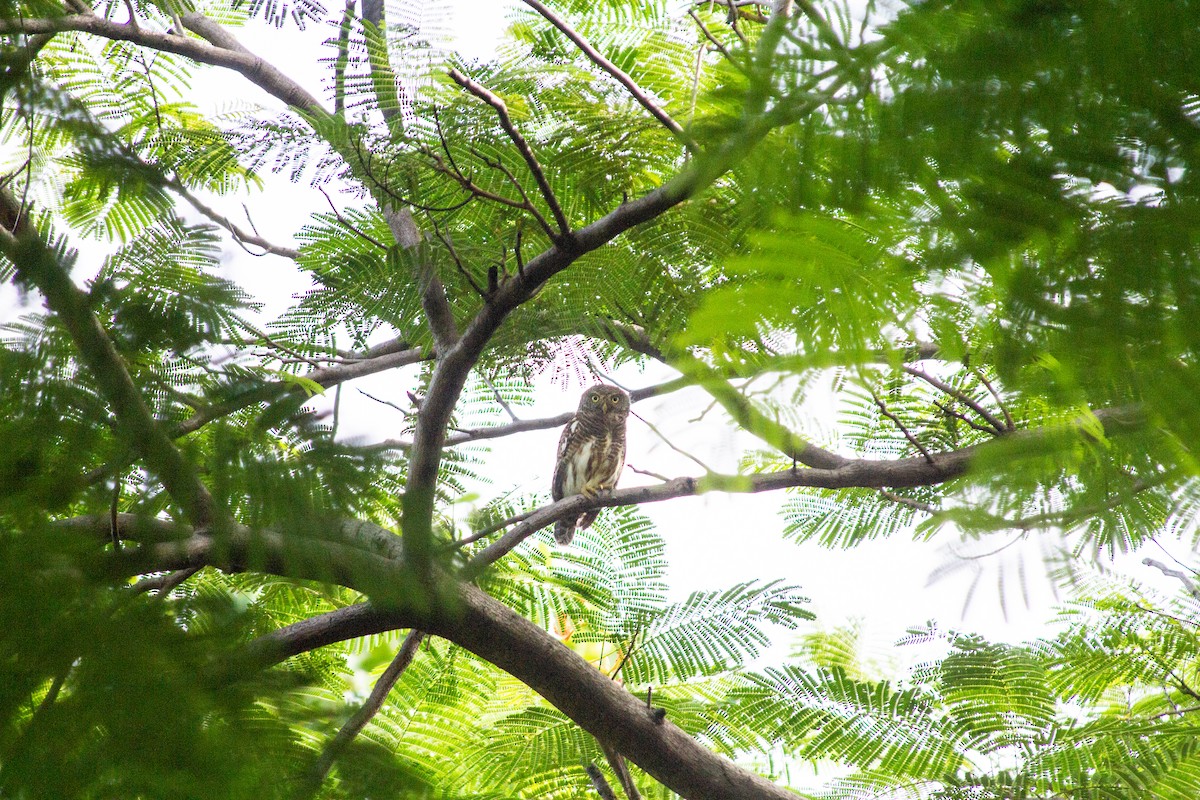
(545,423)
(241,236)
(389,355)
(220,49)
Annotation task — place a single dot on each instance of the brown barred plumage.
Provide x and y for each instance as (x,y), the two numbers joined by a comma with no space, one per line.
(591,452)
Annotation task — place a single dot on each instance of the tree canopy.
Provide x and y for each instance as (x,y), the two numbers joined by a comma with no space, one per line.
(966,230)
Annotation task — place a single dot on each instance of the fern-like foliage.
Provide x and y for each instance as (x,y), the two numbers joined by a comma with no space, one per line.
(956,237)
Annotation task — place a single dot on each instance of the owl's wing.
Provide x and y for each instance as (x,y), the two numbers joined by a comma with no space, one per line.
(618,456)
(560,461)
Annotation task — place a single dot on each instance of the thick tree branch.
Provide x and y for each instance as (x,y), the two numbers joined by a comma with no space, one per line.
(437,309)
(492,631)
(612,69)
(221,49)
(343,58)
(598,704)
(595,702)
(400,220)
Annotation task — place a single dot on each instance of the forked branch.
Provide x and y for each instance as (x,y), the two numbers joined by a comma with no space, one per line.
(522,146)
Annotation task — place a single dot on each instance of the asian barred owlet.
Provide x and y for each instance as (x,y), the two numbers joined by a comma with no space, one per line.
(591,452)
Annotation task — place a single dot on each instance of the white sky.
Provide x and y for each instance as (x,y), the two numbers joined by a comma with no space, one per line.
(714,540)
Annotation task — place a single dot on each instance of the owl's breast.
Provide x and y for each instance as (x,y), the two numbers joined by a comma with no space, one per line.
(576,467)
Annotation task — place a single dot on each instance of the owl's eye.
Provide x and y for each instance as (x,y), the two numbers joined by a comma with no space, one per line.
(595,398)
(616,398)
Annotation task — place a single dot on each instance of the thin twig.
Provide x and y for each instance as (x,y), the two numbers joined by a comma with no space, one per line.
(599,783)
(383,686)
(349,225)
(612,69)
(883,409)
(498,165)
(463,436)
(388,403)
(449,245)
(648,473)
(240,236)
(1008,420)
(500,400)
(960,395)
(916,505)
(166,583)
(1176,711)
(476,190)
(669,444)
(708,35)
(617,762)
(490,529)
(522,146)
(945,409)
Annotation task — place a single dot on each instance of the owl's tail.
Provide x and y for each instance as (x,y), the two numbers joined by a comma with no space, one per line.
(564,531)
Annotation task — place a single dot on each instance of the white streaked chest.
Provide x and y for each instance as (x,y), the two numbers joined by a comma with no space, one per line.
(577,470)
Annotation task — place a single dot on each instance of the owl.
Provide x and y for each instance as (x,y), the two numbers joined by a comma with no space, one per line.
(591,453)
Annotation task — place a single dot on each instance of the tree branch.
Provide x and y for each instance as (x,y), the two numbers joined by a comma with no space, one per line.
(437,309)
(494,632)
(564,227)
(741,409)
(612,69)
(451,373)
(240,236)
(335,746)
(221,49)
(378,359)
(599,783)
(1000,427)
(1189,584)
(545,423)
(164,584)
(883,409)
(38,265)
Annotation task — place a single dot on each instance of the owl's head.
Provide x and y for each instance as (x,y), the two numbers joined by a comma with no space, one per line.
(608,401)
